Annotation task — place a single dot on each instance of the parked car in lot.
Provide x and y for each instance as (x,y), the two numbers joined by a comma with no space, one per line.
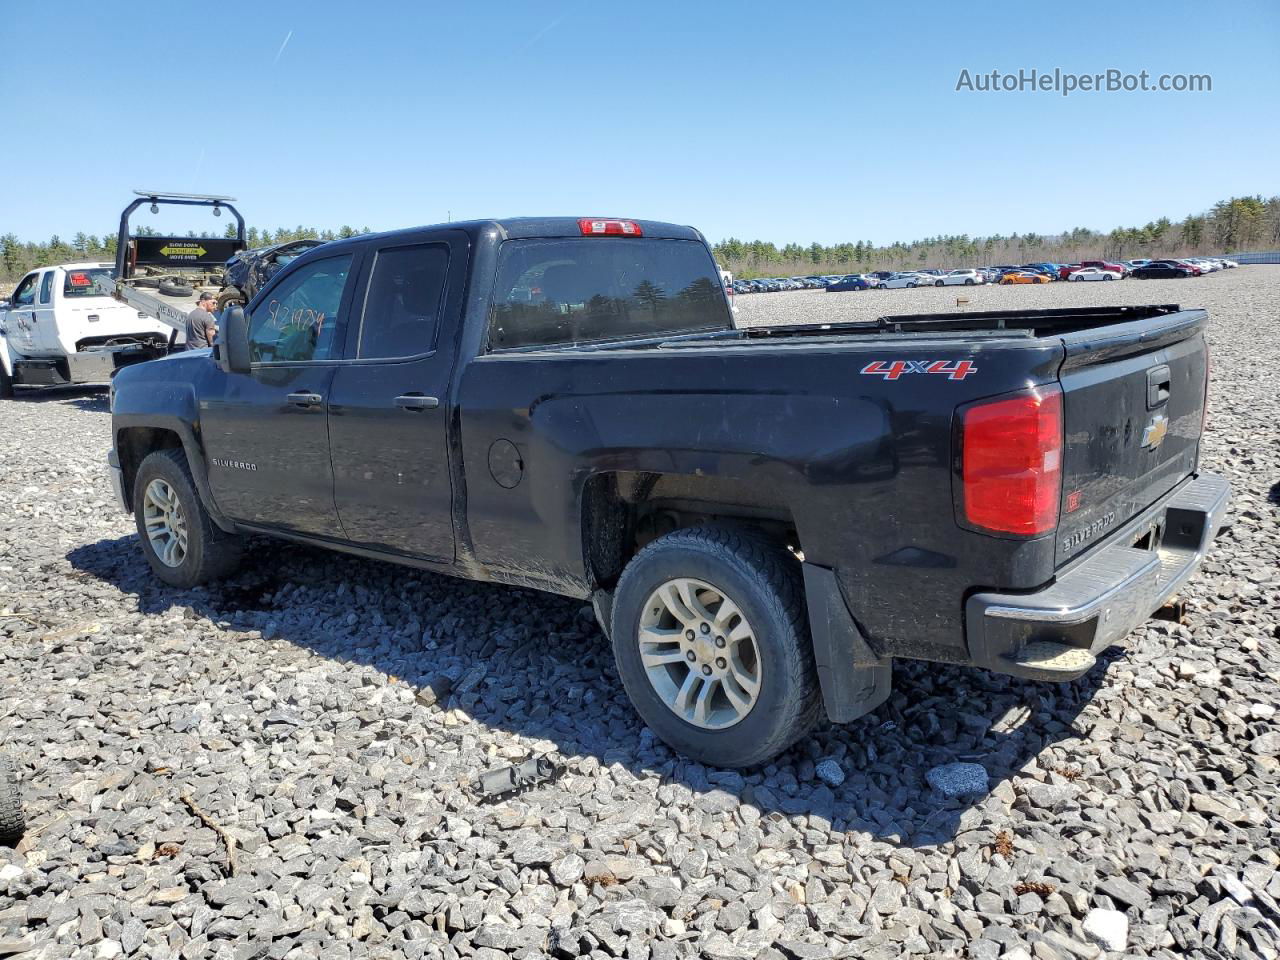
(757,553)
(897,281)
(848,283)
(1162,270)
(1093,273)
(1195,268)
(1023,276)
(1119,268)
(1206,264)
(967,278)
(1134,264)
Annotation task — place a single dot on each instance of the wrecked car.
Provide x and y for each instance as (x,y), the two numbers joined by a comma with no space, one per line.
(247,272)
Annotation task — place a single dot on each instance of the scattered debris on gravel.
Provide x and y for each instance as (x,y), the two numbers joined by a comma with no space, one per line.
(282,766)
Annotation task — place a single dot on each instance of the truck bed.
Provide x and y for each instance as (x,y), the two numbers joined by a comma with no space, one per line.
(1036,323)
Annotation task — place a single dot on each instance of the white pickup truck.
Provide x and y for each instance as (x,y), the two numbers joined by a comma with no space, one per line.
(61,325)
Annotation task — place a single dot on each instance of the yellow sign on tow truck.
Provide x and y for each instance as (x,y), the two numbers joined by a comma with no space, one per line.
(183,250)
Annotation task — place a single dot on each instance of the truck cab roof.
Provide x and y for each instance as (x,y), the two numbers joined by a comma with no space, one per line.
(513,228)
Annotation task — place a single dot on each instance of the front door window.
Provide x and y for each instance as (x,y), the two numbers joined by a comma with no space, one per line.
(298,320)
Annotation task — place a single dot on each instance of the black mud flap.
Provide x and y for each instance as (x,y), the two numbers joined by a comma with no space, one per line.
(854,679)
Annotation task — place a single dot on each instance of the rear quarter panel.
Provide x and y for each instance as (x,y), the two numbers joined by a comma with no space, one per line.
(862,462)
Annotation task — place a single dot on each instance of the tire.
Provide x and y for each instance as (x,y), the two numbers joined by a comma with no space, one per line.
(149,282)
(171,289)
(6,384)
(1111,276)
(911,286)
(937,283)
(12,820)
(968,282)
(763,581)
(229,296)
(209,552)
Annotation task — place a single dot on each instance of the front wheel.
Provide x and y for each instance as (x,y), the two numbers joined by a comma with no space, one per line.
(6,384)
(937,283)
(712,644)
(179,538)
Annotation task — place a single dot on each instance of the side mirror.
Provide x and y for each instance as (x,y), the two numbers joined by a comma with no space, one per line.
(233,341)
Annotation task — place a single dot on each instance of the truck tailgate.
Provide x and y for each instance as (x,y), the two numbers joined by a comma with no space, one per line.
(1133,409)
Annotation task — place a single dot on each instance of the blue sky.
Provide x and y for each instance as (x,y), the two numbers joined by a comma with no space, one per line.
(800,122)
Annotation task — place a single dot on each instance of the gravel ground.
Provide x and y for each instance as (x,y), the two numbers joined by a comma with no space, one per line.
(278,767)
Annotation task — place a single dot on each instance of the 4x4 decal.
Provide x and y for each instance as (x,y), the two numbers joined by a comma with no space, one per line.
(893,369)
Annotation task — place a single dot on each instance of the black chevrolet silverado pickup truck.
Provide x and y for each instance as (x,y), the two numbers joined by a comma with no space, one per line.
(763,519)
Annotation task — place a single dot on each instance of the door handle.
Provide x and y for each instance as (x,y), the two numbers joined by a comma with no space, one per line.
(305,399)
(1158,383)
(416,401)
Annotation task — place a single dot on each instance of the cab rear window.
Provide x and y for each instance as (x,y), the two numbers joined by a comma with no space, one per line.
(566,291)
(94,282)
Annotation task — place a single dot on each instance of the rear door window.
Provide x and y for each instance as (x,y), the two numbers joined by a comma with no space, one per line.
(402,307)
(566,291)
(299,318)
(94,282)
(46,287)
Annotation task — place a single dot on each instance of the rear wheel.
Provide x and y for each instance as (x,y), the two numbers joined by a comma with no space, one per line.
(179,538)
(937,283)
(968,282)
(712,644)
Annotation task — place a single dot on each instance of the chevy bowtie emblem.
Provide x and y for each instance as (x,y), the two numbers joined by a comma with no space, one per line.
(1154,433)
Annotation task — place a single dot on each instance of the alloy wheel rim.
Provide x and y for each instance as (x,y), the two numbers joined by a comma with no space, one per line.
(165,522)
(699,653)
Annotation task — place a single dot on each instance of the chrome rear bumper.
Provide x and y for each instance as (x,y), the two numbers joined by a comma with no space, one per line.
(1101,599)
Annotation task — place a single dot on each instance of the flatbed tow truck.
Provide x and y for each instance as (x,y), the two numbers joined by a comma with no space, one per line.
(159,276)
(78,323)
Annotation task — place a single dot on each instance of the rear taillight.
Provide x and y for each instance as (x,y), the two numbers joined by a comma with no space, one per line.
(1011,462)
(591,227)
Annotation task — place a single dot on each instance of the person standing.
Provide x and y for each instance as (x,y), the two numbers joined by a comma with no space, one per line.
(202,325)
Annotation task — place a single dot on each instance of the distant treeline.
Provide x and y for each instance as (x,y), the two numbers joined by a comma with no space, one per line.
(1231,225)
